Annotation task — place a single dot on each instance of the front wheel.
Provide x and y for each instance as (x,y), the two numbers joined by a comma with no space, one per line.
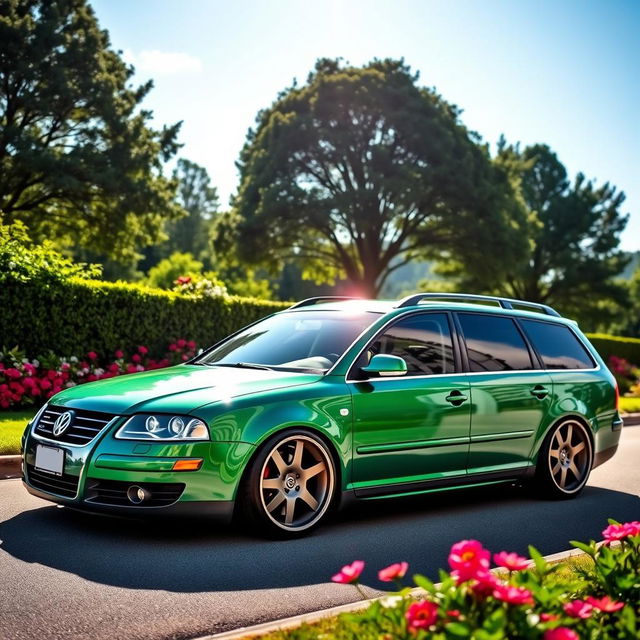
(290,484)
(565,460)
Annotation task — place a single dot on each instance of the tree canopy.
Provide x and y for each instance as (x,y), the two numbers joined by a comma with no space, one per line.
(358,172)
(573,231)
(78,157)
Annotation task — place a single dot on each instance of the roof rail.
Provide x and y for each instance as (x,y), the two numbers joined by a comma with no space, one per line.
(319,299)
(505,303)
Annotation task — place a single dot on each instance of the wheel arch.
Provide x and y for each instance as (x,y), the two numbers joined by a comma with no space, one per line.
(567,416)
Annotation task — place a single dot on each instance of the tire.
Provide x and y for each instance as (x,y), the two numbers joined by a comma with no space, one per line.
(565,461)
(290,485)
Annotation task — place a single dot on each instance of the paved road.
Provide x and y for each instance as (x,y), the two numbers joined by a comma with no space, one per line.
(68,575)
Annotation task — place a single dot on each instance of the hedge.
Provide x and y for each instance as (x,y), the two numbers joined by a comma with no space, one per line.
(77,316)
(607,345)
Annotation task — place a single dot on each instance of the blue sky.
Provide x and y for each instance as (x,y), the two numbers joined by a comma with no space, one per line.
(562,72)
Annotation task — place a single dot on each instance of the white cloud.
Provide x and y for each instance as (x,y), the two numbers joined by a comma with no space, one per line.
(155,62)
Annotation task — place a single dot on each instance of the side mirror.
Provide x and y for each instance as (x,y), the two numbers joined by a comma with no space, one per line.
(385,366)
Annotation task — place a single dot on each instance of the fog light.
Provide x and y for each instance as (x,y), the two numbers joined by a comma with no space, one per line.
(137,495)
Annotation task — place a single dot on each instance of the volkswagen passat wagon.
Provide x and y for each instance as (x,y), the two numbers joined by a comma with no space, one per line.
(332,400)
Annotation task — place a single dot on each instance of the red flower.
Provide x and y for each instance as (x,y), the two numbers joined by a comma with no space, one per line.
(143,350)
(393,572)
(621,531)
(467,558)
(604,604)
(135,357)
(453,613)
(350,573)
(113,368)
(92,355)
(561,633)
(421,615)
(92,377)
(181,343)
(578,609)
(45,384)
(12,373)
(511,561)
(191,344)
(173,347)
(513,595)
(183,280)
(483,583)
(119,354)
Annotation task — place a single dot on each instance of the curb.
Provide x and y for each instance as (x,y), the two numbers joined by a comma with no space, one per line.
(10,467)
(285,624)
(630,419)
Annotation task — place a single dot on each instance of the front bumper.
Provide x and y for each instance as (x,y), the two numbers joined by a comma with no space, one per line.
(96,476)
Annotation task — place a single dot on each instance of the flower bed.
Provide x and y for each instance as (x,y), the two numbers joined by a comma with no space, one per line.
(25,382)
(525,598)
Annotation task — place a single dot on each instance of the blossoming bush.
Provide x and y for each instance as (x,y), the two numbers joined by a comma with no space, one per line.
(25,382)
(523,599)
(627,375)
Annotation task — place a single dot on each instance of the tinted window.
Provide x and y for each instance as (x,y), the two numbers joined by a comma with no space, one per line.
(494,343)
(557,345)
(423,341)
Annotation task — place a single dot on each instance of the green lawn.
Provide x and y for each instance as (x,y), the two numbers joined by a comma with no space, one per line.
(12,424)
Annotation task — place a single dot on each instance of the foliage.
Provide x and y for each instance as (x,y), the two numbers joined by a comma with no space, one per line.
(618,346)
(78,157)
(540,601)
(573,231)
(25,382)
(358,172)
(78,315)
(167,271)
(23,261)
(198,286)
(12,426)
(630,405)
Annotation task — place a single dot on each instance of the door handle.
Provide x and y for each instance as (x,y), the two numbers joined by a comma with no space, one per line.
(456,398)
(540,392)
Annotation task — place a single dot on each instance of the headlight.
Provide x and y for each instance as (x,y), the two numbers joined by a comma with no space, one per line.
(163,427)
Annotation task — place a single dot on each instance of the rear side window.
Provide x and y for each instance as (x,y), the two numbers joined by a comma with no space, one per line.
(557,345)
(494,343)
(423,341)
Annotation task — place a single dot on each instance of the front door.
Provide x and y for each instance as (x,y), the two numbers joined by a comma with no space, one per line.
(509,397)
(415,428)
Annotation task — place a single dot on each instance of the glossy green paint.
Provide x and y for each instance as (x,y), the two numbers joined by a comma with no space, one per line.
(384,432)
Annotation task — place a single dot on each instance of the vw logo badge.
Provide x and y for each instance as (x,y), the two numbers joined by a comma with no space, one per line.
(62,423)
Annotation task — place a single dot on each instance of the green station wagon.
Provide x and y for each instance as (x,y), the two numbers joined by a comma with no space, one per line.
(331,401)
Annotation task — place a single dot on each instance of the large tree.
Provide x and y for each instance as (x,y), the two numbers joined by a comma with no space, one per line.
(358,172)
(78,157)
(573,234)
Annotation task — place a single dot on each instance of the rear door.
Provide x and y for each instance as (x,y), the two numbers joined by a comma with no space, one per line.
(510,394)
(415,428)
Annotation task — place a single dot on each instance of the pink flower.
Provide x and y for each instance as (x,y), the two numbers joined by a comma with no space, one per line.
(191,344)
(12,373)
(113,368)
(604,604)
(173,346)
(421,615)
(549,617)
(350,573)
(181,343)
(578,609)
(621,531)
(92,377)
(92,355)
(513,595)
(65,366)
(483,583)
(143,350)
(119,354)
(511,561)
(453,613)
(135,358)
(467,558)
(393,572)
(561,633)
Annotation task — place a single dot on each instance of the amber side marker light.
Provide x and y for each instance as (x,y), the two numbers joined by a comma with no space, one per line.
(192,464)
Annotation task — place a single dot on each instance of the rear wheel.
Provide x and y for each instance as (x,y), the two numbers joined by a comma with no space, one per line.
(565,460)
(290,484)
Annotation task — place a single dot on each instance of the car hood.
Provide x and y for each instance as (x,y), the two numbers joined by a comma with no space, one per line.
(183,388)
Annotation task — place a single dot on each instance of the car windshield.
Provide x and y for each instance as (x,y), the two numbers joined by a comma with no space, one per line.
(294,340)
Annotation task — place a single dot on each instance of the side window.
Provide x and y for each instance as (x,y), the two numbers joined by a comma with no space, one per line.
(557,345)
(494,343)
(423,341)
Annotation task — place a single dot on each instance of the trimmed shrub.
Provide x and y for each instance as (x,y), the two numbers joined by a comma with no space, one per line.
(77,316)
(621,347)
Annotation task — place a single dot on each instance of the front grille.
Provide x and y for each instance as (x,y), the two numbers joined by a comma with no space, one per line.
(64,485)
(83,428)
(114,492)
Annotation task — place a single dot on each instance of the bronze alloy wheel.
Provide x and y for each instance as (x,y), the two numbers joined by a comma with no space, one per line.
(569,457)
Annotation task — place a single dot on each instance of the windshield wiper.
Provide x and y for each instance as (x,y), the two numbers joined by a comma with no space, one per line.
(240,365)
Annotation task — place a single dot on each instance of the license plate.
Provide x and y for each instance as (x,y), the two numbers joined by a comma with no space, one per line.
(50,459)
